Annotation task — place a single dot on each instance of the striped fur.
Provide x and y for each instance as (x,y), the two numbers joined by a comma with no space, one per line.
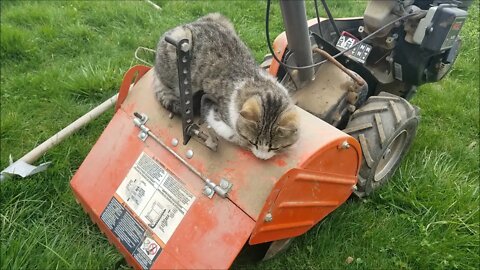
(251,108)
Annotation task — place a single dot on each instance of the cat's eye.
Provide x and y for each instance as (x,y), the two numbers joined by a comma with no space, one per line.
(249,141)
(278,148)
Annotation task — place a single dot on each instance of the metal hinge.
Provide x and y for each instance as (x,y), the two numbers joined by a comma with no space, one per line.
(139,121)
(222,189)
(210,187)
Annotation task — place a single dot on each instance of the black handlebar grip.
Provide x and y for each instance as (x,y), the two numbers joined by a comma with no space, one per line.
(171,40)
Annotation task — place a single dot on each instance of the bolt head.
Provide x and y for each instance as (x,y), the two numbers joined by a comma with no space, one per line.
(224,184)
(351,108)
(268,217)
(189,153)
(344,145)
(174,141)
(207,191)
(185,47)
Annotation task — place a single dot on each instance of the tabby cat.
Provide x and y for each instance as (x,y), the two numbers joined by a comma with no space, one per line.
(250,107)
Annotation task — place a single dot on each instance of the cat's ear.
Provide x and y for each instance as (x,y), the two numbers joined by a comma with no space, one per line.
(288,118)
(251,110)
(288,122)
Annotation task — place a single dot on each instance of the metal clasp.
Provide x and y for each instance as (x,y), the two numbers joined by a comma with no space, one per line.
(222,189)
(210,187)
(139,121)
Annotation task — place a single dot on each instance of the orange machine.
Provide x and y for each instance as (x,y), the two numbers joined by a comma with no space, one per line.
(168,205)
(196,205)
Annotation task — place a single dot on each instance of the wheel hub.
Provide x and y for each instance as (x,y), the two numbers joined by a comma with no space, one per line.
(391,155)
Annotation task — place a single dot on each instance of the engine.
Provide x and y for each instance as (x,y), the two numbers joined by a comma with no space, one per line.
(421,50)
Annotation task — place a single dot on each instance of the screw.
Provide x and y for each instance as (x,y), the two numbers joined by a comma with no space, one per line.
(189,153)
(185,47)
(268,217)
(224,184)
(344,145)
(207,191)
(143,135)
(174,141)
(351,108)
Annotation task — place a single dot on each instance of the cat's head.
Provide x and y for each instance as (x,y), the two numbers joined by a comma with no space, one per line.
(267,124)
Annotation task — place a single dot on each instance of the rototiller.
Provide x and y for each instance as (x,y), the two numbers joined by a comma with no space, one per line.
(168,194)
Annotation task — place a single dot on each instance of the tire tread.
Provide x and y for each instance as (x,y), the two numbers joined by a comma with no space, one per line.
(380,128)
(374,125)
(366,150)
(358,128)
(369,110)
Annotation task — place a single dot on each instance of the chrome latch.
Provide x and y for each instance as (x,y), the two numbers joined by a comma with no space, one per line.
(139,121)
(210,187)
(222,189)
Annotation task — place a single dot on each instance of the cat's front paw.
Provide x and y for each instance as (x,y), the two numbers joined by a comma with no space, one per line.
(169,102)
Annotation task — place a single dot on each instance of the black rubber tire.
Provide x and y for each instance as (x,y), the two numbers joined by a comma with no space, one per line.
(385,126)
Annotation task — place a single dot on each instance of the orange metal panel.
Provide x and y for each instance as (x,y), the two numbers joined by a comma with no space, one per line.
(135,72)
(253,179)
(208,225)
(298,187)
(305,195)
(279,47)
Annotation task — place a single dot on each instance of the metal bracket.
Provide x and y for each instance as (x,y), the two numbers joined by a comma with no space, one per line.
(189,128)
(184,84)
(210,187)
(139,121)
(222,189)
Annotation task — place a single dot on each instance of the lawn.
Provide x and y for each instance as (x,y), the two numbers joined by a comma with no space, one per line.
(61,59)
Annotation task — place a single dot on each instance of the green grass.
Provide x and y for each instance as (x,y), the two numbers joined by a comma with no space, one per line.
(61,59)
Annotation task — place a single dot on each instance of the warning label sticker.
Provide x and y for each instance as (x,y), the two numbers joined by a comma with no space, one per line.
(147,252)
(156,196)
(130,233)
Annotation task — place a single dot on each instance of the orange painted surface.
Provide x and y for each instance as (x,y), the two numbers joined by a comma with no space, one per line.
(135,72)
(298,187)
(280,45)
(305,195)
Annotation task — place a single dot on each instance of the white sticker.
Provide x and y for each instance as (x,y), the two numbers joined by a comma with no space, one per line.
(398,71)
(150,247)
(156,196)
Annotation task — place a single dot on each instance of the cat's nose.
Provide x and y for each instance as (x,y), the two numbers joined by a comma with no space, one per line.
(262,152)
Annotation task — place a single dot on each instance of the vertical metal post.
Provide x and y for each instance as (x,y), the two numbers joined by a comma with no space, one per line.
(184,84)
(295,22)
